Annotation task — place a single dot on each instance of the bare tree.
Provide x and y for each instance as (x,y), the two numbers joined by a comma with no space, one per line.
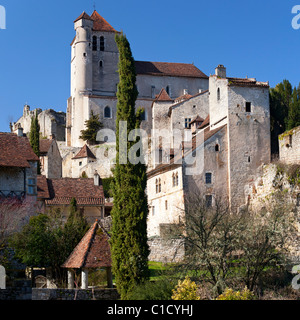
(223,247)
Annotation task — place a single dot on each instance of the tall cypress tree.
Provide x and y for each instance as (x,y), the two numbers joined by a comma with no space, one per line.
(34,138)
(129,246)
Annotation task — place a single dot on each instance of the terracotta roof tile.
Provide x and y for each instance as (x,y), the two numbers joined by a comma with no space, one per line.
(85,152)
(100,24)
(15,151)
(205,123)
(45,145)
(83,190)
(93,251)
(197,119)
(163,96)
(247,82)
(168,69)
(84,15)
(42,187)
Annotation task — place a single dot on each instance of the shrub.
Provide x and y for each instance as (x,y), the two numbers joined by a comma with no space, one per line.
(229,294)
(153,290)
(185,290)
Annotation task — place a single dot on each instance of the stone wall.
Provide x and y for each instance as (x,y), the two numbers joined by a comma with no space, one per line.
(289,146)
(20,291)
(69,294)
(166,250)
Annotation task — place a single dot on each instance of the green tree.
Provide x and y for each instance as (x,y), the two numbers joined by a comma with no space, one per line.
(294,110)
(34,138)
(93,125)
(129,214)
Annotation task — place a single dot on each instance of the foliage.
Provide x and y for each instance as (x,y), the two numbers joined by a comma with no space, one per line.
(34,138)
(107,187)
(185,290)
(153,290)
(47,242)
(229,294)
(230,247)
(129,245)
(93,125)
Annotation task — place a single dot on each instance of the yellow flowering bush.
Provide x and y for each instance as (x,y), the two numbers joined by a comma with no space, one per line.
(229,294)
(185,290)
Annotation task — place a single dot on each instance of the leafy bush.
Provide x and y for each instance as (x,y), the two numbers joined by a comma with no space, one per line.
(185,290)
(153,290)
(229,294)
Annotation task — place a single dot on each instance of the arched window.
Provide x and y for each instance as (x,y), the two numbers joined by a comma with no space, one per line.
(100,64)
(102,46)
(107,112)
(94,43)
(217,148)
(218,94)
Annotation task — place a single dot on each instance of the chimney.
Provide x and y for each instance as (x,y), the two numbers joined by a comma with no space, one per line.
(96,178)
(221,71)
(20,132)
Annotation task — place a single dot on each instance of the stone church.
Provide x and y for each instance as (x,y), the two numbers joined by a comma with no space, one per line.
(230,116)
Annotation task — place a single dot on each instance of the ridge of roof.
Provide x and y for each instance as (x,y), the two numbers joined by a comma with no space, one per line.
(85,152)
(163,96)
(100,24)
(84,15)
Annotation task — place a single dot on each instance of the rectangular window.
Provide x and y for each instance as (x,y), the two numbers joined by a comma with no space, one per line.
(166,204)
(31,186)
(208,201)
(248,106)
(208,178)
(187,122)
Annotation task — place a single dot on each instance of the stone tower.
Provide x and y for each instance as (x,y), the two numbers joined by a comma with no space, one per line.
(94,65)
(242,104)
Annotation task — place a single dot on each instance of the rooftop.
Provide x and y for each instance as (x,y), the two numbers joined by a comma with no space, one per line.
(85,152)
(15,151)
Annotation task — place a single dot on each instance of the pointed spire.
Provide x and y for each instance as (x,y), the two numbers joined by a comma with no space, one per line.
(100,24)
(84,15)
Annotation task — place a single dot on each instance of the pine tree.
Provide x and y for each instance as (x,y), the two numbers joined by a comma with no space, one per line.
(34,139)
(294,110)
(129,246)
(93,125)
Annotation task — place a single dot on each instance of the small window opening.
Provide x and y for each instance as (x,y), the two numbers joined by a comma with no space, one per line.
(218,94)
(107,112)
(187,124)
(102,46)
(84,54)
(168,90)
(166,204)
(248,106)
(94,43)
(217,148)
(100,63)
(208,178)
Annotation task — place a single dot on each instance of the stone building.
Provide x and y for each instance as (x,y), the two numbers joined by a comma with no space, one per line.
(50,159)
(233,141)
(289,146)
(58,193)
(18,176)
(94,78)
(52,123)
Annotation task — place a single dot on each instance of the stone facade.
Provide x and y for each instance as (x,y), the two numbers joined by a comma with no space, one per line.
(289,146)
(52,123)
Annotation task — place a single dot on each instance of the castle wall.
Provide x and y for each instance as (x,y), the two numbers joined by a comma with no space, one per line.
(289,146)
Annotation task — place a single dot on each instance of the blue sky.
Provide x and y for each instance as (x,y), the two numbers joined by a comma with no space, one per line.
(251,38)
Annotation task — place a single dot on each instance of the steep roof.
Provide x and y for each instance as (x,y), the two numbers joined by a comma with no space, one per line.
(168,69)
(85,152)
(84,15)
(61,191)
(45,145)
(15,151)
(42,187)
(93,251)
(100,24)
(163,96)
(205,123)
(197,119)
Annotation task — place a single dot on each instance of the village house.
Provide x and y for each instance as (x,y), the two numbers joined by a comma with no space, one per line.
(56,194)
(50,159)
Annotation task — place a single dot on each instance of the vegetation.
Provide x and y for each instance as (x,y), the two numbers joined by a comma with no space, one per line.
(46,242)
(107,187)
(185,290)
(93,125)
(129,246)
(229,294)
(34,139)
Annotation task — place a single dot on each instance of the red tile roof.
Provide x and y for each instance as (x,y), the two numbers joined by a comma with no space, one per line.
(45,145)
(197,119)
(15,151)
(163,96)
(61,191)
(205,123)
(84,15)
(247,82)
(168,69)
(93,251)
(85,152)
(42,187)
(100,24)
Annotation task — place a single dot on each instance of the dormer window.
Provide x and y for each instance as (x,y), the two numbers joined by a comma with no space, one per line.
(102,46)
